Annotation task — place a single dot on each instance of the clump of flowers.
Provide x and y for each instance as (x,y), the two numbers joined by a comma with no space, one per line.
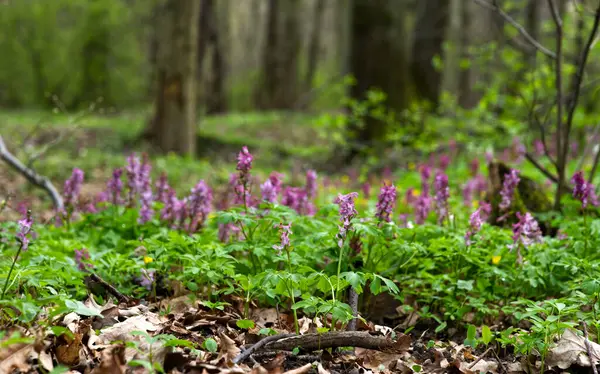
(284,234)
(525,232)
(297,199)
(134,184)
(268,192)
(72,188)
(444,162)
(583,190)
(442,193)
(311,184)
(115,186)
(162,188)
(81,257)
(146,196)
(478,217)
(347,212)
(511,180)
(23,237)
(199,205)
(422,208)
(385,203)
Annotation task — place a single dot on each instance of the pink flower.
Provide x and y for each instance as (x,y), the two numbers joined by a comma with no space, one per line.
(525,232)
(311,184)
(115,186)
(386,203)
(442,193)
(284,231)
(511,180)
(24,232)
(244,162)
(347,212)
(80,256)
(72,188)
(583,190)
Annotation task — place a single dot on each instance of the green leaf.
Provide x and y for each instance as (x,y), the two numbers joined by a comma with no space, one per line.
(210,345)
(245,324)
(486,334)
(356,280)
(267,331)
(471,339)
(465,285)
(79,308)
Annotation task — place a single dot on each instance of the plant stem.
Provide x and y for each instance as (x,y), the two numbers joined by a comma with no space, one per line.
(291,291)
(11,270)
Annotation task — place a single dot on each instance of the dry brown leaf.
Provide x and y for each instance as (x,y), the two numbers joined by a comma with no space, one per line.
(112,361)
(15,358)
(228,351)
(322,370)
(482,366)
(46,360)
(571,349)
(301,370)
(68,349)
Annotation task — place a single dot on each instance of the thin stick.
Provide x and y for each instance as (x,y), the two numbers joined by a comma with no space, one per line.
(540,167)
(480,358)
(588,347)
(519,28)
(110,288)
(244,355)
(353,302)
(315,342)
(33,177)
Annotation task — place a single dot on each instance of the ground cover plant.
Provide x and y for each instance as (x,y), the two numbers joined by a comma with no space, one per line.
(409,263)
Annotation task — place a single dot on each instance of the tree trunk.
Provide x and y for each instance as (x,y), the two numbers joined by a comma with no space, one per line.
(314,44)
(216,101)
(433,17)
(95,52)
(173,127)
(279,86)
(377,60)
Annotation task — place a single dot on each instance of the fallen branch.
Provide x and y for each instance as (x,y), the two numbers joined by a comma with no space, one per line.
(245,354)
(313,342)
(111,289)
(480,358)
(33,177)
(588,347)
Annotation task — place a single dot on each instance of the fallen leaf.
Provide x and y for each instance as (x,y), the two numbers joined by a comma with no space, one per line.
(301,370)
(228,351)
(15,358)
(112,361)
(322,370)
(68,348)
(571,349)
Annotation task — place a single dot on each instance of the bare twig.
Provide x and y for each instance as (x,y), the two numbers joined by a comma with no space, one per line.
(353,302)
(579,78)
(519,28)
(33,177)
(245,354)
(540,167)
(588,347)
(110,288)
(480,358)
(313,342)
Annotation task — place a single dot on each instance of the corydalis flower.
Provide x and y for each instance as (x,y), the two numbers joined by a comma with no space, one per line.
(162,188)
(444,162)
(478,217)
(311,184)
(244,163)
(146,196)
(511,180)
(24,233)
(386,203)
(366,190)
(200,205)
(115,186)
(583,190)
(442,193)
(422,209)
(347,212)
(72,188)
(268,192)
(147,278)
(297,199)
(525,232)
(284,234)
(133,180)
(81,255)
(425,175)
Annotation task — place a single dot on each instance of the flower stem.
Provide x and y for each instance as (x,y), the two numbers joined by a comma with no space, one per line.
(11,270)
(291,291)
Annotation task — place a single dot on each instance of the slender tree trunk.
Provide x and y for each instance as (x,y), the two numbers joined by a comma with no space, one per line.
(315,43)
(433,17)
(174,127)
(95,57)
(216,101)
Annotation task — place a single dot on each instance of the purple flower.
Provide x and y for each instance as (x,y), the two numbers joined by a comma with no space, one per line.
(115,186)
(267,191)
(162,188)
(244,162)
(147,278)
(444,162)
(347,212)
(525,232)
(311,184)
(467,192)
(81,255)
(386,203)
(474,166)
(409,196)
(72,188)
(422,209)
(538,147)
(519,149)
(366,190)
(24,232)
(511,180)
(284,231)
(276,181)
(583,190)
(442,193)
(200,205)
(133,177)
(425,175)
(478,217)
(146,196)
(403,219)
(297,199)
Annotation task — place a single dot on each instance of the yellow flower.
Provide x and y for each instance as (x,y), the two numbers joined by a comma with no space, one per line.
(148,260)
(496,259)
(211,215)
(411,166)
(416,192)
(475,204)
(345,179)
